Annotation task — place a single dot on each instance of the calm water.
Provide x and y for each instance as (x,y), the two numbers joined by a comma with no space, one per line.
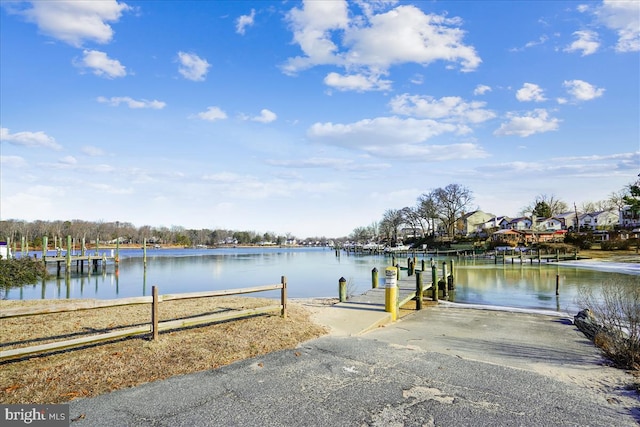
(315,273)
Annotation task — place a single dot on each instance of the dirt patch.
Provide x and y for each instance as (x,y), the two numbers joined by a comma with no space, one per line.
(98,369)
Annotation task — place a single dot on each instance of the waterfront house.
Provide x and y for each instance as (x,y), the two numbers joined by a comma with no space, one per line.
(568,220)
(628,218)
(550,224)
(602,220)
(522,223)
(472,222)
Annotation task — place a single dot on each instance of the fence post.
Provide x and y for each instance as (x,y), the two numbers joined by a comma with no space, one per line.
(342,289)
(419,289)
(154,312)
(374,278)
(283,297)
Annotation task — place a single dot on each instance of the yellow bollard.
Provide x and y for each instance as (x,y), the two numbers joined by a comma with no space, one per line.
(391,292)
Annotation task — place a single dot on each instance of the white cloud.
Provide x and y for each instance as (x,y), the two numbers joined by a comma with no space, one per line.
(586,42)
(582,91)
(624,18)
(192,67)
(245,21)
(29,139)
(212,114)
(366,46)
(75,22)
(481,89)
(448,108)
(356,82)
(101,64)
(13,161)
(266,116)
(536,121)
(68,160)
(132,103)
(327,162)
(530,92)
(394,137)
(92,151)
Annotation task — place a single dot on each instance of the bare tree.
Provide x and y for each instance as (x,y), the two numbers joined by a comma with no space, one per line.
(541,203)
(427,209)
(451,202)
(391,222)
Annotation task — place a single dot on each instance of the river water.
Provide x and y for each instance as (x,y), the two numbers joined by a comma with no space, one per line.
(315,272)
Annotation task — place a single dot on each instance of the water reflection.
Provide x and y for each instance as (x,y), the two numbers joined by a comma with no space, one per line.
(311,273)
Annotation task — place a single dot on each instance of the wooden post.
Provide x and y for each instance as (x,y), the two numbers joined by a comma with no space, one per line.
(445,280)
(557,255)
(342,289)
(557,284)
(283,297)
(45,245)
(154,312)
(374,278)
(144,252)
(419,290)
(453,274)
(68,253)
(423,264)
(434,281)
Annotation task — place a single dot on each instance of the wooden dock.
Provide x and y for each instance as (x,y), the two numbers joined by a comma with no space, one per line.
(93,262)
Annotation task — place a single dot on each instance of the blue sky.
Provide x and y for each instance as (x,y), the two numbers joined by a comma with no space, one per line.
(311,118)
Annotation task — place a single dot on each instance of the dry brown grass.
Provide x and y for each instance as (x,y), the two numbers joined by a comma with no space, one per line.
(94,370)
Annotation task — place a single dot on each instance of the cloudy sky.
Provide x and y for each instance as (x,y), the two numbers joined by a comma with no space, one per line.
(312,117)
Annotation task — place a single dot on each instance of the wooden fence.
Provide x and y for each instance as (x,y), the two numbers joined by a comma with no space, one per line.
(154,327)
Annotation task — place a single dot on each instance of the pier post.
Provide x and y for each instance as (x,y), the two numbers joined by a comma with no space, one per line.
(445,280)
(434,281)
(423,264)
(452,283)
(68,253)
(45,245)
(391,292)
(374,278)
(144,252)
(419,290)
(342,289)
(557,284)
(410,267)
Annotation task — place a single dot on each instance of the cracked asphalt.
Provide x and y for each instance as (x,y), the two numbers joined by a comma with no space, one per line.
(372,380)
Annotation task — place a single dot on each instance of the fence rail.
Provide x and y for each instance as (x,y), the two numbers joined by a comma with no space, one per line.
(154,327)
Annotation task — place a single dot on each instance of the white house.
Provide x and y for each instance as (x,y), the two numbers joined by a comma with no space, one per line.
(568,220)
(522,223)
(499,222)
(550,224)
(602,220)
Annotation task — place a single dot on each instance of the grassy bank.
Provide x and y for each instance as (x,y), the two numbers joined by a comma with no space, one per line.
(94,370)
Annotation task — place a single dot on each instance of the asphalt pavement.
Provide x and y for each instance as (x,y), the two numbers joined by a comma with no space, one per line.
(442,366)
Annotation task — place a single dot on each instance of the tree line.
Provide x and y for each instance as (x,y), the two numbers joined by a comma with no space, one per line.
(437,212)
(34,231)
